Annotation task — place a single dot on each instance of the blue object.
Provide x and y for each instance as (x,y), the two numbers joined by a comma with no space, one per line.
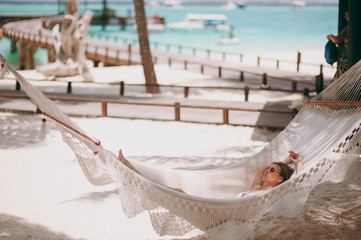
(331,52)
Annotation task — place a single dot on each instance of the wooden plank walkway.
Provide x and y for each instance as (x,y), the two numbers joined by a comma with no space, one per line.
(115,53)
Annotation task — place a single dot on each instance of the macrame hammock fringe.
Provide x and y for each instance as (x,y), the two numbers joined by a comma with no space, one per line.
(326,130)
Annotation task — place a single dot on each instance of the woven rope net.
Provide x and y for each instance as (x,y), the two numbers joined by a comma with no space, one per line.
(325,131)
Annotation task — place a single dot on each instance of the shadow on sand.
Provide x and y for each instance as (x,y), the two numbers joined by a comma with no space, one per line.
(12,227)
(17,131)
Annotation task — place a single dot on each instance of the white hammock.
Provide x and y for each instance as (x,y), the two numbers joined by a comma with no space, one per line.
(321,132)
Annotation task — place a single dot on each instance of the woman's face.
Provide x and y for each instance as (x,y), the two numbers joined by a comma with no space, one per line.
(271,175)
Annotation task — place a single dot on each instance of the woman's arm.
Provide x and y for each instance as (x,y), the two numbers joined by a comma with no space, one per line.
(340,37)
(296,159)
(257,180)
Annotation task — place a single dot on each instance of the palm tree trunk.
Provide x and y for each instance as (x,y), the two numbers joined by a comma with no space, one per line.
(146,55)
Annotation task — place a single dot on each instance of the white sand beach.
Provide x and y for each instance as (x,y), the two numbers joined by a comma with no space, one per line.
(45,196)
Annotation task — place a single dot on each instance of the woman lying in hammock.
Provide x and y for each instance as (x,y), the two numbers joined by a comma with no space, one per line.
(276,173)
(266,177)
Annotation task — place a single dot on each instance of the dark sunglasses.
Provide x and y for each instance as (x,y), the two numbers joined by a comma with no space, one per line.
(272,170)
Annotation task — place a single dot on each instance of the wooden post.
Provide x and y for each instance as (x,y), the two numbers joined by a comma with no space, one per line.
(264,80)
(202,68)
(30,56)
(13,46)
(121,90)
(220,71)
(241,76)
(51,55)
(321,69)
(246,93)
(185,65)
(278,64)
(22,55)
(186,92)
(319,83)
(104,109)
(106,56)
(169,62)
(294,86)
(177,111)
(258,61)
(69,88)
(17,86)
(225,116)
(306,92)
(298,61)
(129,53)
(241,58)
(354,32)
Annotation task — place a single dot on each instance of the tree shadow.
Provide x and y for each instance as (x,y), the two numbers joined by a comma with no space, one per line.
(275,120)
(94,196)
(17,131)
(12,227)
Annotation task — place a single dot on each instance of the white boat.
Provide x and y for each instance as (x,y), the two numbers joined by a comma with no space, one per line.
(298,5)
(172,4)
(228,40)
(201,21)
(152,4)
(154,24)
(241,4)
(229,5)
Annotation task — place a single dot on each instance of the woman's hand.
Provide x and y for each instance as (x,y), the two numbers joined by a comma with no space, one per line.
(333,38)
(295,157)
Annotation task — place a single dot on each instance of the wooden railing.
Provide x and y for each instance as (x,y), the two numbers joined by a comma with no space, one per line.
(176,106)
(208,52)
(186,89)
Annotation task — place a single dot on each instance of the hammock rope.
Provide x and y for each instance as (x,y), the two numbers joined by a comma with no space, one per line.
(325,131)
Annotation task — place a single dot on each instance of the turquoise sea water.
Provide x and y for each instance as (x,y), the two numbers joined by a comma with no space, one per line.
(259,28)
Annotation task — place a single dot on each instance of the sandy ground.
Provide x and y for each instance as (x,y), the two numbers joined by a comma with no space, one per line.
(44,194)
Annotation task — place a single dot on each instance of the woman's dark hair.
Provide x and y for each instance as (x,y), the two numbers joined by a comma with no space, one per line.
(286,171)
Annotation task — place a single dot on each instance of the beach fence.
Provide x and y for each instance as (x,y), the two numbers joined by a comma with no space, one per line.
(122,86)
(213,54)
(211,114)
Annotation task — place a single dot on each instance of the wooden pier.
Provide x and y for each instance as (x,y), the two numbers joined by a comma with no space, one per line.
(31,34)
(104,20)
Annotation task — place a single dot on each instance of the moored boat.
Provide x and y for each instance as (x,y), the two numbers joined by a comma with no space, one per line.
(241,4)
(201,22)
